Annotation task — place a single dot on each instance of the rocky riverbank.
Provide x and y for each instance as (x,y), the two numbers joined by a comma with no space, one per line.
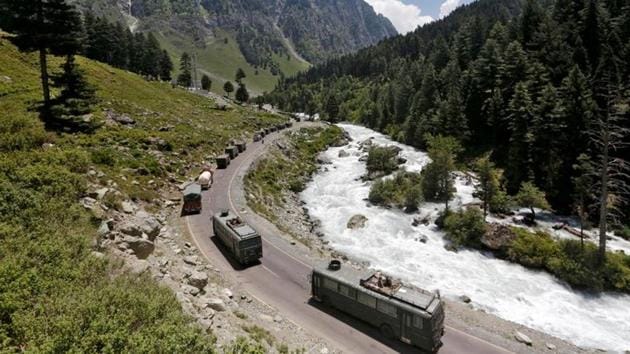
(291,216)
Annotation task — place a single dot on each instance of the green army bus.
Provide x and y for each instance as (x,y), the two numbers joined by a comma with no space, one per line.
(400,311)
(239,238)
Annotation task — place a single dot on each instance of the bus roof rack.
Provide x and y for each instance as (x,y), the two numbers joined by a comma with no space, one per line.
(381,284)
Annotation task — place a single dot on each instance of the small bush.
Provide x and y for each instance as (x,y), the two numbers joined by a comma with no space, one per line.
(465,227)
(383,159)
(105,156)
(402,191)
(532,249)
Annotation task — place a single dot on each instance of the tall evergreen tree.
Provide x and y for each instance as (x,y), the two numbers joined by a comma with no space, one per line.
(206,83)
(228,87)
(166,66)
(185,71)
(241,93)
(75,100)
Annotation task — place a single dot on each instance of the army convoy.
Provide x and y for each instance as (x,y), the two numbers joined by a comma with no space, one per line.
(406,313)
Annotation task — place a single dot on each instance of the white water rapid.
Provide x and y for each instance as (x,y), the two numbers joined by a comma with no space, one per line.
(510,291)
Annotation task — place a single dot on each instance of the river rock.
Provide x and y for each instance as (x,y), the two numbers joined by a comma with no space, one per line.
(465,299)
(141,247)
(357,222)
(550,346)
(343,153)
(522,338)
(498,237)
(198,280)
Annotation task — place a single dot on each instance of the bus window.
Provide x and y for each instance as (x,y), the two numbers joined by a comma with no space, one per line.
(417,321)
(347,291)
(386,308)
(330,284)
(366,299)
(316,281)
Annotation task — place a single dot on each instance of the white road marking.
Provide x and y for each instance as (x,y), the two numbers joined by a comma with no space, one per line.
(270,271)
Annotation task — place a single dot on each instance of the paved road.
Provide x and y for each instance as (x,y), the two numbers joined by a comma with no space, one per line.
(280,280)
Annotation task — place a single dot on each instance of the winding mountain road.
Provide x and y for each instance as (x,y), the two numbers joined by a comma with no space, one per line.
(281,279)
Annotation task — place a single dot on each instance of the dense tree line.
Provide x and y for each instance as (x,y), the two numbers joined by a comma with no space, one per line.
(116,45)
(543,86)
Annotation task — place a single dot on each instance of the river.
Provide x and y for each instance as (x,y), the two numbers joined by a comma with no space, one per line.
(390,243)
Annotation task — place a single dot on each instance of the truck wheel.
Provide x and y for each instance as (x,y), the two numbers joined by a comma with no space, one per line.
(386,331)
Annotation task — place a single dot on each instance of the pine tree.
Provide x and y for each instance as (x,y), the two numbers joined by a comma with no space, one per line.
(76,98)
(206,83)
(529,196)
(437,176)
(185,71)
(152,57)
(521,115)
(228,87)
(241,93)
(488,182)
(240,75)
(46,26)
(166,66)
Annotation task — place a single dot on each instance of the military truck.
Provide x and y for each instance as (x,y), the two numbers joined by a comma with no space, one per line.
(407,313)
(241,146)
(223,161)
(232,151)
(243,242)
(192,199)
(257,137)
(267,131)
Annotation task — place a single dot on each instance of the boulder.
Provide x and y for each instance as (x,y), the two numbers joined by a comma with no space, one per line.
(104,229)
(100,193)
(138,266)
(214,303)
(198,280)
(357,222)
(88,203)
(228,293)
(189,289)
(192,260)
(522,338)
(465,299)
(141,247)
(128,207)
(148,224)
(498,237)
(550,346)
(343,153)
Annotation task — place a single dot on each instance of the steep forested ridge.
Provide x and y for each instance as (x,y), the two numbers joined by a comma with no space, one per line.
(527,80)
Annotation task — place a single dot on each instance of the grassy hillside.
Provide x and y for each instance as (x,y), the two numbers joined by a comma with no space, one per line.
(221,57)
(55,295)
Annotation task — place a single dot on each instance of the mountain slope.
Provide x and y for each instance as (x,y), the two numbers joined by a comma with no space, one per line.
(56,294)
(256,35)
